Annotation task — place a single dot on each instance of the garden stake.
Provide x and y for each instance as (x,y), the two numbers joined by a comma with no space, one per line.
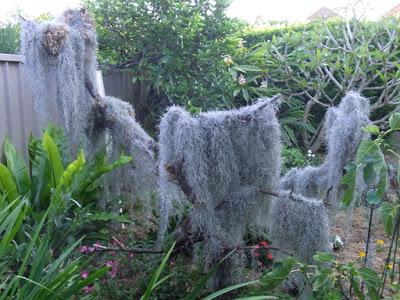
(372,206)
(394,257)
(368,236)
(394,235)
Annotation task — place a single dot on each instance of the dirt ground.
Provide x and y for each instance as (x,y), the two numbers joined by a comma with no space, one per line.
(355,240)
(355,236)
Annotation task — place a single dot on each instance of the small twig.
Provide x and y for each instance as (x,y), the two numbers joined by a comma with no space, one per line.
(101,248)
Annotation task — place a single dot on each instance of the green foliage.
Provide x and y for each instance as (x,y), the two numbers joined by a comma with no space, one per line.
(277,275)
(44,209)
(177,46)
(328,279)
(9,38)
(370,160)
(30,270)
(155,281)
(72,188)
(295,158)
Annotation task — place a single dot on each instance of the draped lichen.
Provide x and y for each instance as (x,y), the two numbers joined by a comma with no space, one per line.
(343,126)
(226,162)
(60,64)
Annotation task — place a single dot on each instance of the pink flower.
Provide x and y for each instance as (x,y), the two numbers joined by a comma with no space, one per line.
(88,289)
(110,263)
(114,267)
(84,274)
(87,249)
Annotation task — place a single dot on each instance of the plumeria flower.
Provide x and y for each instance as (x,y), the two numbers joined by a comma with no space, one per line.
(228,60)
(264,83)
(241,79)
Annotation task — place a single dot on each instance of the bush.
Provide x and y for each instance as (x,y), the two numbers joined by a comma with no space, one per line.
(45,208)
(313,66)
(9,38)
(175,45)
(295,158)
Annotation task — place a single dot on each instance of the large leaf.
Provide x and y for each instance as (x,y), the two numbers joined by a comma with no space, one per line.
(231,288)
(10,226)
(40,174)
(372,281)
(349,182)
(60,138)
(71,170)
(154,279)
(54,157)
(279,273)
(200,286)
(17,167)
(370,154)
(394,121)
(91,173)
(7,183)
(388,214)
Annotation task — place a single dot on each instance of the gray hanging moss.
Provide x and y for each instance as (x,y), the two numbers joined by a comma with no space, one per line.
(138,179)
(344,133)
(60,64)
(300,226)
(299,223)
(225,159)
(59,56)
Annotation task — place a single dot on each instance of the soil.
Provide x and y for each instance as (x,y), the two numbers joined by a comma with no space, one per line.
(355,238)
(355,241)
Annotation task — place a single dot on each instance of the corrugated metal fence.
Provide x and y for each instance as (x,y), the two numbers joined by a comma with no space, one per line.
(17,116)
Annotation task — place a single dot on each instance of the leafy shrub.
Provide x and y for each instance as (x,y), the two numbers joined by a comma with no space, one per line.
(9,38)
(44,209)
(295,158)
(312,66)
(176,45)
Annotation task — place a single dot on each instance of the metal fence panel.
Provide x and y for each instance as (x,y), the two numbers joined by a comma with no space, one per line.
(17,116)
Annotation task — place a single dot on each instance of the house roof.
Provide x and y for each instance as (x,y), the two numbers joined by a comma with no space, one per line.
(322,13)
(395,11)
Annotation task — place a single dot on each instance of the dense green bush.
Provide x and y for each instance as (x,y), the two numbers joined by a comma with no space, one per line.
(176,45)
(46,208)
(9,38)
(314,65)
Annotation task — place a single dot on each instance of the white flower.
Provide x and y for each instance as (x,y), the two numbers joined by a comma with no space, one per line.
(264,83)
(241,79)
